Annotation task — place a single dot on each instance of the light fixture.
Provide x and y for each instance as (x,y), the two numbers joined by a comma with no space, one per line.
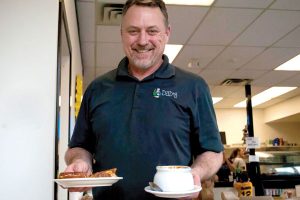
(216,99)
(265,96)
(291,65)
(171,50)
(190,2)
(194,63)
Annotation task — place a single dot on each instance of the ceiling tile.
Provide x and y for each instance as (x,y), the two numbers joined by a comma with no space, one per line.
(235,57)
(272,58)
(273,78)
(243,3)
(215,76)
(191,14)
(86,18)
(109,54)
(224,91)
(190,69)
(257,89)
(290,40)
(269,28)
(203,54)
(293,81)
(286,5)
(248,74)
(222,25)
(107,33)
(88,54)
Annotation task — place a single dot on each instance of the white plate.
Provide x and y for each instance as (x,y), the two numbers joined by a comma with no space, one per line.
(87,182)
(174,194)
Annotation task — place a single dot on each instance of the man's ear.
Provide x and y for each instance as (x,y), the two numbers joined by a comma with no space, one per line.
(168,33)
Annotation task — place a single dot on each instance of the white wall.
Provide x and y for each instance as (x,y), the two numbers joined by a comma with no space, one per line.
(232,121)
(76,70)
(28,54)
(283,109)
(28,64)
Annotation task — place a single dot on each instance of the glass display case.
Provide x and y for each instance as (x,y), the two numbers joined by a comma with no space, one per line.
(283,162)
(279,168)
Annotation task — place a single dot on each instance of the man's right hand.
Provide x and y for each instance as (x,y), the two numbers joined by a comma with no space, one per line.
(79,166)
(78,160)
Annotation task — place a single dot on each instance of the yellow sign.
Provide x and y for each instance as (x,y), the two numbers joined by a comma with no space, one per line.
(78,94)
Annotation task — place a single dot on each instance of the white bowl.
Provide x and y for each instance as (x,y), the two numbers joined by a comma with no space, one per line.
(174,178)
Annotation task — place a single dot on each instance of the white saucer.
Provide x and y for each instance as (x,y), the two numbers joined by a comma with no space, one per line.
(87,182)
(196,189)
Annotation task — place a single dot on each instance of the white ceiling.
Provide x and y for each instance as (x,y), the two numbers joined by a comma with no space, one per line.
(231,39)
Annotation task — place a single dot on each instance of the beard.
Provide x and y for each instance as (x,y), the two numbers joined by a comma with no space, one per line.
(143,63)
(144,58)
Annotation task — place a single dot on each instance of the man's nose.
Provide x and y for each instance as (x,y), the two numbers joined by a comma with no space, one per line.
(143,38)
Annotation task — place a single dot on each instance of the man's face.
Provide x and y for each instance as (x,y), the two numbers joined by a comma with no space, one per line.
(144,36)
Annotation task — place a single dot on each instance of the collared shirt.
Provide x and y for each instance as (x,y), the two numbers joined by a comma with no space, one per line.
(165,119)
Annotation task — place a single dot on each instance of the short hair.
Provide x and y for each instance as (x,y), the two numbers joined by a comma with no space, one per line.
(148,3)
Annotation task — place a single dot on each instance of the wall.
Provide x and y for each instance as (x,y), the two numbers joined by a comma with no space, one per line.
(283,109)
(76,70)
(232,121)
(28,64)
(28,54)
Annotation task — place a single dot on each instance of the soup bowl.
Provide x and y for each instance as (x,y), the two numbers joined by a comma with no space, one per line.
(173,178)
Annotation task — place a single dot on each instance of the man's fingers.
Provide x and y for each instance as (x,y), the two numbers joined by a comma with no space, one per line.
(79,189)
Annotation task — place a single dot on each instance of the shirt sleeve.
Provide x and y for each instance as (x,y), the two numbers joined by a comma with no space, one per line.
(206,133)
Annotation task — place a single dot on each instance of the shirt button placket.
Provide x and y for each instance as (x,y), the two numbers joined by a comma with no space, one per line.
(137,97)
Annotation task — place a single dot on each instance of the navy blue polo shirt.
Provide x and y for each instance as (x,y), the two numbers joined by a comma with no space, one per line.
(165,119)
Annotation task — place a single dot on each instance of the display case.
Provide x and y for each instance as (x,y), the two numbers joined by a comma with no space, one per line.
(279,161)
(279,168)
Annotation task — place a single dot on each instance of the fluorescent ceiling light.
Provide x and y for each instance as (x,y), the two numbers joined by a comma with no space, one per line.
(265,96)
(171,50)
(291,65)
(216,99)
(190,2)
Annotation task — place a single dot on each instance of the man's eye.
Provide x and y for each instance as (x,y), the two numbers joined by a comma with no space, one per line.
(132,32)
(152,32)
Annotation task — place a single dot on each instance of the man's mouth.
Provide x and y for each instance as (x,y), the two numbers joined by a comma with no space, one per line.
(142,50)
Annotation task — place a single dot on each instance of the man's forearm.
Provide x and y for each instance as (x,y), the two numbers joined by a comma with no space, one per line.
(207,164)
(77,153)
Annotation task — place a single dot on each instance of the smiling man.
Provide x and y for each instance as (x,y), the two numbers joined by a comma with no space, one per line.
(145,33)
(145,113)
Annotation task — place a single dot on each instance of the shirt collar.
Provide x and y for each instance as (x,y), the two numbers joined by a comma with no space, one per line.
(166,70)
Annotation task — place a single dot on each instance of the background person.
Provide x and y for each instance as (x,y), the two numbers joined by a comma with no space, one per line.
(145,113)
(236,160)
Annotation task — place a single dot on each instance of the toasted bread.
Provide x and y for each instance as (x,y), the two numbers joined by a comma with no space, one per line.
(105,173)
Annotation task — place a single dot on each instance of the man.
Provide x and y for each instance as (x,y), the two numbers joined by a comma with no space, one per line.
(144,113)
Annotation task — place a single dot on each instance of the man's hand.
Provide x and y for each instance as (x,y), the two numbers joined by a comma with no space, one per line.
(197,182)
(78,160)
(79,166)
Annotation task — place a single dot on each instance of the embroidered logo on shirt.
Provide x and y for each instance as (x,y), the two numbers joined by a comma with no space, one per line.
(160,92)
(156,93)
